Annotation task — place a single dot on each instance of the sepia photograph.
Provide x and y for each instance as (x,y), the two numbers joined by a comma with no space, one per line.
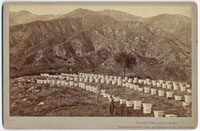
(101,60)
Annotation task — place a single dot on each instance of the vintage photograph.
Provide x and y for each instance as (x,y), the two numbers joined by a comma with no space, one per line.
(100,61)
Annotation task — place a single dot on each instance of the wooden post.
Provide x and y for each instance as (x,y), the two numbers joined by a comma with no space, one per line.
(124,70)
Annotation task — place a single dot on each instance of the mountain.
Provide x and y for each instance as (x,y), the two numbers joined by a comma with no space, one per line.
(121,16)
(22,17)
(168,22)
(93,41)
(174,24)
(184,33)
(117,15)
(79,13)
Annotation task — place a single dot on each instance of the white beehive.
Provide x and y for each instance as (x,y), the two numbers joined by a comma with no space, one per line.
(158,84)
(178,98)
(161,93)
(170,115)
(159,113)
(169,94)
(140,89)
(188,99)
(119,83)
(169,86)
(153,91)
(137,104)
(122,101)
(136,87)
(116,99)
(146,90)
(129,103)
(182,88)
(147,108)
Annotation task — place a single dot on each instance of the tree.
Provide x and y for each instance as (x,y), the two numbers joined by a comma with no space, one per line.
(126,60)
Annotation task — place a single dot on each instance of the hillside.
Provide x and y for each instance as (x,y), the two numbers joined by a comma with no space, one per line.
(90,41)
(121,16)
(23,17)
(178,25)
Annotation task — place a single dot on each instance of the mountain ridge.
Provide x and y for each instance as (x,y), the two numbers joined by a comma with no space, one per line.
(93,41)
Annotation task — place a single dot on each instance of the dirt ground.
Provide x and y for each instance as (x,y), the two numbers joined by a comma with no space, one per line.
(32,99)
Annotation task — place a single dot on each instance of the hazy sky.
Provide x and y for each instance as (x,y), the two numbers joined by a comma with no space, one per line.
(144,11)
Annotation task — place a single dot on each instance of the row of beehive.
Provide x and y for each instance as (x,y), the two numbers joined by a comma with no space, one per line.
(118,80)
(135,104)
(153,91)
(158,83)
(162,93)
(169,94)
(114,80)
